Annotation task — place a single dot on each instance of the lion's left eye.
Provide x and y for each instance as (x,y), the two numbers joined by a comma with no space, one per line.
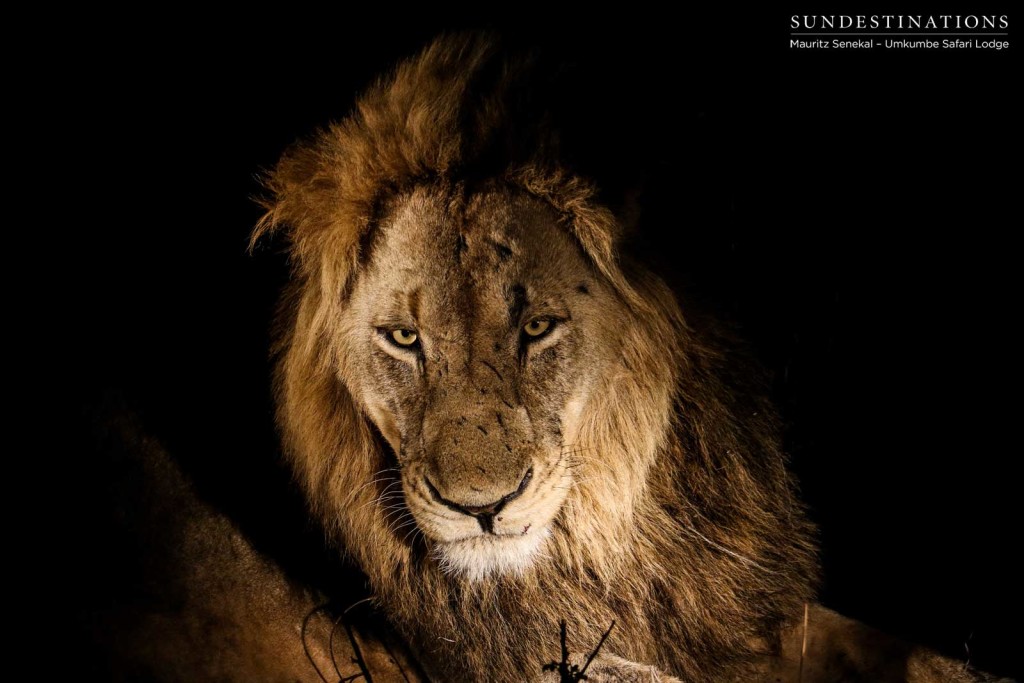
(403,338)
(537,328)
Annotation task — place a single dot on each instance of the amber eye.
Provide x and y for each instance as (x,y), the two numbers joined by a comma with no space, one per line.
(537,328)
(404,338)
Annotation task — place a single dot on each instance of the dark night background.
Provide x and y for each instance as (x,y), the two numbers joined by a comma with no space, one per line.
(851,213)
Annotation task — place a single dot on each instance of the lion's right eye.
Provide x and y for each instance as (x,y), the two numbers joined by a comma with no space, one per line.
(404,338)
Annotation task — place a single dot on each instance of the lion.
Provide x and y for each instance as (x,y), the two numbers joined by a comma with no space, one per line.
(192,597)
(512,427)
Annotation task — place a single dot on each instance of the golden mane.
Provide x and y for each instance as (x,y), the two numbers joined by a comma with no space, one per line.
(687,532)
(449,113)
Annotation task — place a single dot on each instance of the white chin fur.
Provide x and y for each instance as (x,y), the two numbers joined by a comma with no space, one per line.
(482,556)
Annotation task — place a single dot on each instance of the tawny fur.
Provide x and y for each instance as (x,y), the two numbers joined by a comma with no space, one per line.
(211,607)
(681,524)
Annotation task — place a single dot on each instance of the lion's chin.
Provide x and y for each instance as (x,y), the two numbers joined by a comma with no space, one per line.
(484,556)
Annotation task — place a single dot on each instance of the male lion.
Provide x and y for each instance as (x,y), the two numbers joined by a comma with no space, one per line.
(508,423)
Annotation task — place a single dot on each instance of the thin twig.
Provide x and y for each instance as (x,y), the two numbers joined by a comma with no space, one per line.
(571,673)
(803,647)
(356,604)
(596,650)
(967,649)
(394,658)
(305,645)
(359,654)
(330,647)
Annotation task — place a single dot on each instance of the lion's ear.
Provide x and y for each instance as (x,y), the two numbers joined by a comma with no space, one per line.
(599,230)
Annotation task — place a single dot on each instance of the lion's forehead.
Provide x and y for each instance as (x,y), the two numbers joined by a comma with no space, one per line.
(487,231)
(473,263)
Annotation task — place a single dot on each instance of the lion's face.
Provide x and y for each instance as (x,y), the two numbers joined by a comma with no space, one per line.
(471,340)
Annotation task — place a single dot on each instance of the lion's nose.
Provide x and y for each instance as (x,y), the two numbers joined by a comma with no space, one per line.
(484,513)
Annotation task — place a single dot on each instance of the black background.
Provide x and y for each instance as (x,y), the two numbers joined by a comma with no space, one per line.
(851,212)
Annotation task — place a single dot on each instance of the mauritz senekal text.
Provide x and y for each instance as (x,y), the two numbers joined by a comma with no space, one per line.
(891,44)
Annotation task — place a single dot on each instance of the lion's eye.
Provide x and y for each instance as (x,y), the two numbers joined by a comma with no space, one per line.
(404,338)
(537,328)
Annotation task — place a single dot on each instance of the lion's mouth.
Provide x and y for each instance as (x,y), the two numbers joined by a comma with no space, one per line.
(503,536)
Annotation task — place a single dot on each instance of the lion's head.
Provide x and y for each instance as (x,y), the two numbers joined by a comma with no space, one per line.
(474,353)
(507,421)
